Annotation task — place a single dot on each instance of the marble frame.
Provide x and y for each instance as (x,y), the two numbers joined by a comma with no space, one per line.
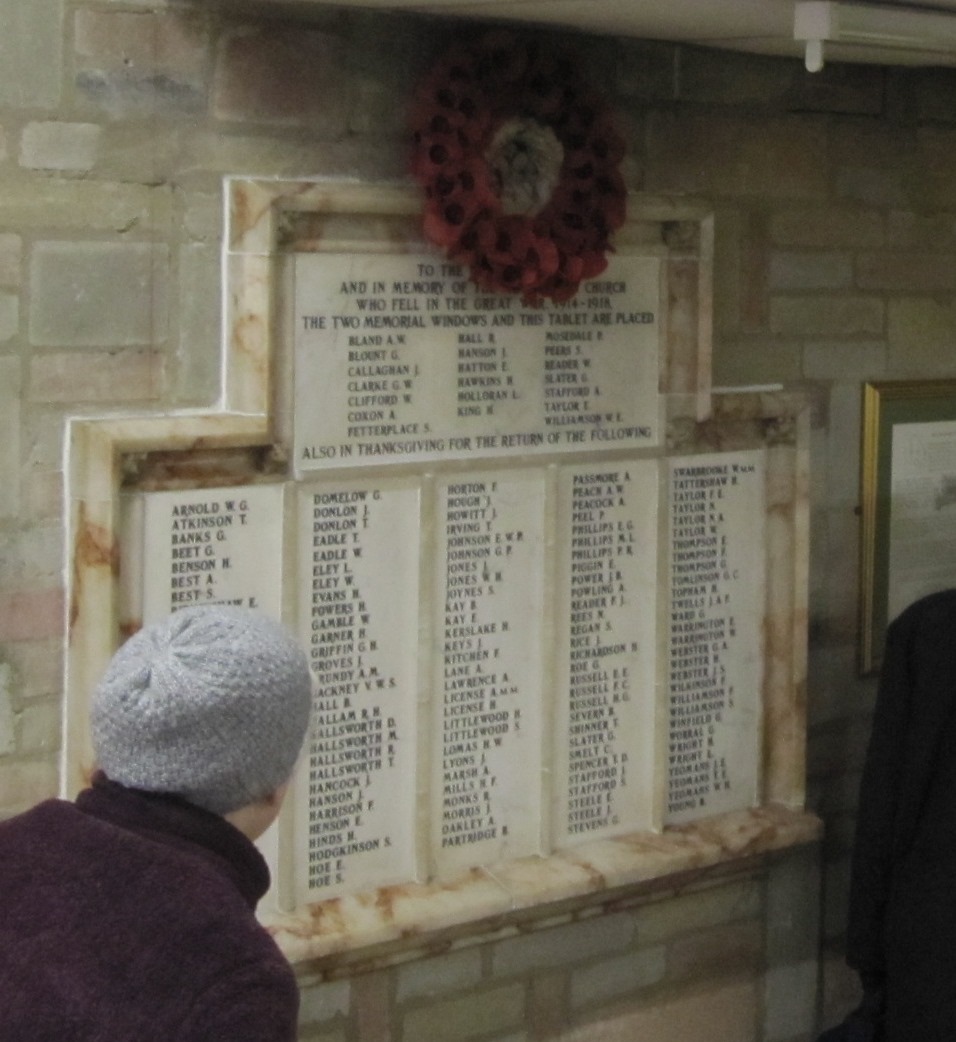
(413,919)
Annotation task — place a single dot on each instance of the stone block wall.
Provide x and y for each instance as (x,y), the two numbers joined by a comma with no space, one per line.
(835,207)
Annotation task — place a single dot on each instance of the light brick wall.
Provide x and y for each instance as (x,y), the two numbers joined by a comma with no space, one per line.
(835,207)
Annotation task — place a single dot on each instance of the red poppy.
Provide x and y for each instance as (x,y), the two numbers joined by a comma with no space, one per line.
(477,88)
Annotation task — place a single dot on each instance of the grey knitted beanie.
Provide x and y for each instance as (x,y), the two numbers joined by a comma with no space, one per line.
(211,704)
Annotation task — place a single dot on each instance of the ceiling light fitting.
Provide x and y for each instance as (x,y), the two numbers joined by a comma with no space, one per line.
(816,22)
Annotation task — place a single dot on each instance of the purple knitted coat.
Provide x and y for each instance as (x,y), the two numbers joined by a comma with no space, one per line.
(127,917)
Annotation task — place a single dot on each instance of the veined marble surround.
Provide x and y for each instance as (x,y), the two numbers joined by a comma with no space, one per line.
(251,428)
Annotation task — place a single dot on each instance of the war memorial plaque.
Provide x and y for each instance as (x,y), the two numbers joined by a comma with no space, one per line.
(480,519)
(488,633)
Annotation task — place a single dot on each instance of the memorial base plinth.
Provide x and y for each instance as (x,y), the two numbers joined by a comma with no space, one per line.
(369,930)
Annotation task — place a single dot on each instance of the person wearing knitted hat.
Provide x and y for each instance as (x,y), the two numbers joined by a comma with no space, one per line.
(130,913)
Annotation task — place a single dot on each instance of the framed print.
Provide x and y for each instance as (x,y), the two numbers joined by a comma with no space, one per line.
(908,502)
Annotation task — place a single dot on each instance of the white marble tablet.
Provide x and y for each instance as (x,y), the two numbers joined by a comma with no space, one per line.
(358,591)
(716,633)
(488,610)
(606,656)
(399,358)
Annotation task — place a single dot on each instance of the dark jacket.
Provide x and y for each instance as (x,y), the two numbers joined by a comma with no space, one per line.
(901,935)
(127,917)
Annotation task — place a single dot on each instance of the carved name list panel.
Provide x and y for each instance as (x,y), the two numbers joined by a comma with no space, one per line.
(715,633)
(551,588)
(355,802)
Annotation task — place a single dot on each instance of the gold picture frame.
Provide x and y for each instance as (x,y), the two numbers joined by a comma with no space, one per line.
(889,406)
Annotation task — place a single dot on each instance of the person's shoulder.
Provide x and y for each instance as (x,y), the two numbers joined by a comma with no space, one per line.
(935,610)
(40,818)
(36,844)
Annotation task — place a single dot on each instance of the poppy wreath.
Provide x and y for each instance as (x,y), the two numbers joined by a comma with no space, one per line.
(519,163)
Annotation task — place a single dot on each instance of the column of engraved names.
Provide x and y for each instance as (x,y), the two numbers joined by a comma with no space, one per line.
(484,379)
(352,741)
(701,623)
(199,533)
(381,387)
(581,395)
(489,674)
(600,682)
(362,339)
(570,398)
(200,546)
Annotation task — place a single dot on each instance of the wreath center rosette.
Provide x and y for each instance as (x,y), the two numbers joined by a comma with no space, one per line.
(519,163)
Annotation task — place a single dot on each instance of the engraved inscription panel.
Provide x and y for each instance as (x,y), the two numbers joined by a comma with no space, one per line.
(399,357)
(199,544)
(715,650)
(606,659)
(358,613)
(486,785)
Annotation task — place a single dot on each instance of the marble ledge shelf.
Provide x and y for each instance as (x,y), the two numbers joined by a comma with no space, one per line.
(417,919)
